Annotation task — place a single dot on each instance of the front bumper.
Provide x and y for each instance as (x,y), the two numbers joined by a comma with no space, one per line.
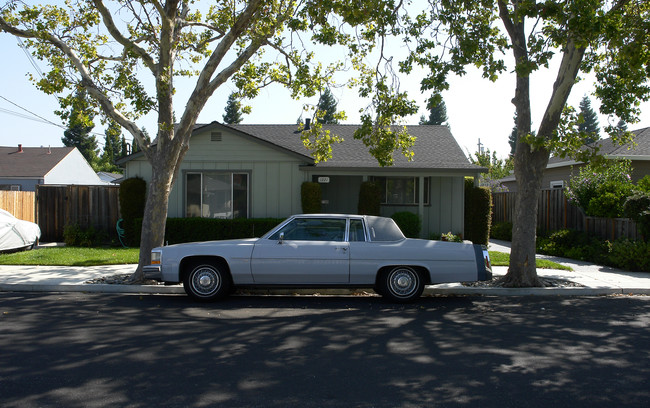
(153,272)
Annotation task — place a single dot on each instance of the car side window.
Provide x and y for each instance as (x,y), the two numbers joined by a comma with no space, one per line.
(312,229)
(356,231)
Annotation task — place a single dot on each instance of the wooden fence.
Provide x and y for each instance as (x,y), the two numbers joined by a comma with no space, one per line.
(19,203)
(555,212)
(58,206)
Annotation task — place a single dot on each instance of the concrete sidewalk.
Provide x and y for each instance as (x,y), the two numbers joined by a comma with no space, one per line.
(595,280)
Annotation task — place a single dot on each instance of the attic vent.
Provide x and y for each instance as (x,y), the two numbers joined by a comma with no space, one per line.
(215,136)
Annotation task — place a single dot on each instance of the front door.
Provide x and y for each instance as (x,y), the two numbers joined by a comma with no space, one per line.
(340,194)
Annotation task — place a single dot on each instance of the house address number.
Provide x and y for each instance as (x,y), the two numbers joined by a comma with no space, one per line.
(323,180)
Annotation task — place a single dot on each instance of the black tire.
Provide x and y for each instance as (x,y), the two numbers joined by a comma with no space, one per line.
(401,284)
(206,282)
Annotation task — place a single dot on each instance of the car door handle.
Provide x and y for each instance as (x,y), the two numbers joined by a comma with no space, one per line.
(343,248)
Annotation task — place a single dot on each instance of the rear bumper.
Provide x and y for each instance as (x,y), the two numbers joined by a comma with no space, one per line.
(153,272)
(483,264)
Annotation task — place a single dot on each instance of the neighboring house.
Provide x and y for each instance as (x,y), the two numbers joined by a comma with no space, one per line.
(23,168)
(559,171)
(256,171)
(109,178)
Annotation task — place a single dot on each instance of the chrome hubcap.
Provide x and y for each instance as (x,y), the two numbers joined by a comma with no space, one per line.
(205,281)
(403,282)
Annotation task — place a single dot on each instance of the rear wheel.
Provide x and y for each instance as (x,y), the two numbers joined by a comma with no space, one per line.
(401,284)
(206,282)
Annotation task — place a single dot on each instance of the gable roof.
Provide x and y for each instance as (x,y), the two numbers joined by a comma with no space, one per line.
(30,162)
(610,149)
(434,148)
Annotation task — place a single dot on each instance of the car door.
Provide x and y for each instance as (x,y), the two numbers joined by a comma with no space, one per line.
(304,251)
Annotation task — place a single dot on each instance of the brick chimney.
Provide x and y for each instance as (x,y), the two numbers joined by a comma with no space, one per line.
(20,148)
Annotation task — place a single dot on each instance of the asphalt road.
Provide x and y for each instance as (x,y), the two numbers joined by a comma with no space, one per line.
(98,350)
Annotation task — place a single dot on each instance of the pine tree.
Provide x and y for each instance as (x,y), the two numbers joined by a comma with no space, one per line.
(80,124)
(327,103)
(112,147)
(233,110)
(437,112)
(124,149)
(512,139)
(621,126)
(589,126)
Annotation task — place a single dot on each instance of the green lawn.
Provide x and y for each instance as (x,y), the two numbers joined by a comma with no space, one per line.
(503,259)
(74,256)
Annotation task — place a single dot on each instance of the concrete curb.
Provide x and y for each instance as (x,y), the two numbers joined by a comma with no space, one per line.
(440,290)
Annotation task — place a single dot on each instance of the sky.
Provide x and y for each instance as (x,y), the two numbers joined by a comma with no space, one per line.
(477,109)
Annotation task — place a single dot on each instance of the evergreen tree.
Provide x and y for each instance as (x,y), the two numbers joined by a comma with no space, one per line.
(80,124)
(233,110)
(112,147)
(621,126)
(327,103)
(437,112)
(124,148)
(589,126)
(512,139)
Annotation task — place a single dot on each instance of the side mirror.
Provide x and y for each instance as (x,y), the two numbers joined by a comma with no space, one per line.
(281,238)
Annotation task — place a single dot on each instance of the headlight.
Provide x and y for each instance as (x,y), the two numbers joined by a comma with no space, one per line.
(156,257)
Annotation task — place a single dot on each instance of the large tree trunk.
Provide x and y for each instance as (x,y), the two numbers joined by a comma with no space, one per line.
(155,214)
(529,167)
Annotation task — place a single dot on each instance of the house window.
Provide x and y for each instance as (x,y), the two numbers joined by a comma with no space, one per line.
(216,195)
(402,190)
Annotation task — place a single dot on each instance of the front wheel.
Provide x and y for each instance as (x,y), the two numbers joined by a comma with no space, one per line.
(206,283)
(402,284)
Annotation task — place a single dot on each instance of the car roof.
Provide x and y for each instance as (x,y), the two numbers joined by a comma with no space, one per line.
(333,216)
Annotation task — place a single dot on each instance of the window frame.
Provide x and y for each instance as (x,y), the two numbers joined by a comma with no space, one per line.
(231,175)
(383,182)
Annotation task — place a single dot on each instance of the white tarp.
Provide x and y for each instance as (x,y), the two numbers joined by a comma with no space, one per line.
(15,233)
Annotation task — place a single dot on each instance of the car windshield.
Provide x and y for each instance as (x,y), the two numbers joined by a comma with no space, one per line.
(384,229)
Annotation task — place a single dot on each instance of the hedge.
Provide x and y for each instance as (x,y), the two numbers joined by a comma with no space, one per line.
(478,207)
(179,230)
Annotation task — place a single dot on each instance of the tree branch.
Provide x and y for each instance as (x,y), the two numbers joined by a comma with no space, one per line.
(125,42)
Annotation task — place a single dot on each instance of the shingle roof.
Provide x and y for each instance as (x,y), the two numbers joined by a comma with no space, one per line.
(31,162)
(435,147)
(609,148)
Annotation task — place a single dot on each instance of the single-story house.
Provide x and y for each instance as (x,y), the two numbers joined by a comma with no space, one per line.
(109,178)
(560,170)
(23,168)
(256,171)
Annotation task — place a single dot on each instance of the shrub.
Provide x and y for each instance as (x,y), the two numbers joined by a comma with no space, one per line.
(573,244)
(408,222)
(369,198)
(133,196)
(74,235)
(644,184)
(630,255)
(311,196)
(637,207)
(601,190)
(502,231)
(478,213)
(179,230)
